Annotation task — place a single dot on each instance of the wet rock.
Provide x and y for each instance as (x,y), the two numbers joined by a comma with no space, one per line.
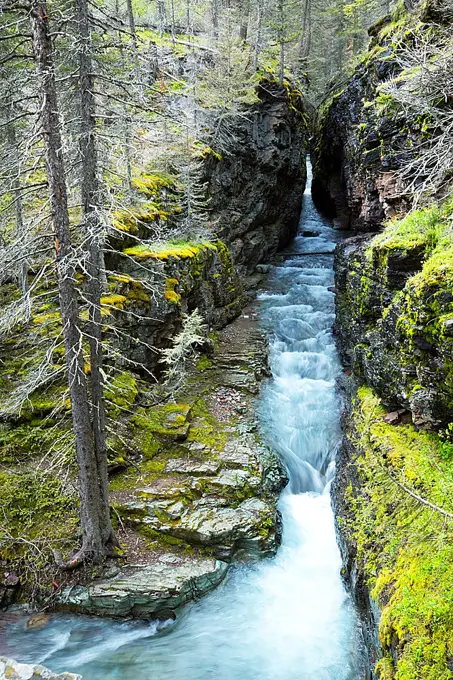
(9,589)
(175,511)
(147,591)
(397,417)
(111,572)
(37,621)
(19,671)
(256,190)
(230,529)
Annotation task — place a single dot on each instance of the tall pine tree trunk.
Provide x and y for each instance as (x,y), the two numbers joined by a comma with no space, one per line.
(94,239)
(245,12)
(259,22)
(92,545)
(133,31)
(281,40)
(22,268)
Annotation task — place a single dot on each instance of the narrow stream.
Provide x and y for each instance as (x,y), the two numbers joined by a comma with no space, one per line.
(288,618)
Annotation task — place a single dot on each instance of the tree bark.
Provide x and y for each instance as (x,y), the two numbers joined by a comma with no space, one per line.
(281,34)
(92,547)
(243,30)
(305,36)
(94,238)
(22,267)
(258,35)
(133,31)
(215,17)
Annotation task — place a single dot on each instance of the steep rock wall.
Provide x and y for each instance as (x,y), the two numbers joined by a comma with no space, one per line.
(256,189)
(394,295)
(363,140)
(394,311)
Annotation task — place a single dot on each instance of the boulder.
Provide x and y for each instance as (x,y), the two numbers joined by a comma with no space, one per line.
(145,591)
(12,670)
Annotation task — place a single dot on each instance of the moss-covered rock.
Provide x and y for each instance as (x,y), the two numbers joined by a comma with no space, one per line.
(394,311)
(394,505)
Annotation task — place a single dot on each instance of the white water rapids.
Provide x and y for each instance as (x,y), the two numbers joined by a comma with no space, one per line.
(286,618)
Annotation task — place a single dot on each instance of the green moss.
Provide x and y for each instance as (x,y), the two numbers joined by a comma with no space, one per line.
(108,302)
(38,514)
(132,289)
(151,184)
(121,393)
(427,227)
(171,296)
(404,548)
(205,427)
(178,251)
(204,363)
(154,428)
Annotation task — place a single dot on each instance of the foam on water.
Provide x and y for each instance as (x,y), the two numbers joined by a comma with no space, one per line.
(288,618)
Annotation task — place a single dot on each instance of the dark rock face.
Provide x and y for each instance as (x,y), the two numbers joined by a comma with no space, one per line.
(357,155)
(256,190)
(255,199)
(393,327)
(202,278)
(363,140)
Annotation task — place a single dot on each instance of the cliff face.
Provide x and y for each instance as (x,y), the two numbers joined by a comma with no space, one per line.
(255,195)
(256,189)
(394,306)
(362,141)
(355,161)
(394,295)
(394,309)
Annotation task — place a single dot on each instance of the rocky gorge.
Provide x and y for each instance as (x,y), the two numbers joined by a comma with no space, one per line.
(393,488)
(195,492)
(192,488)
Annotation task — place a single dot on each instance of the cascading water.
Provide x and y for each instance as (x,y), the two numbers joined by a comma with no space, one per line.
(288,618)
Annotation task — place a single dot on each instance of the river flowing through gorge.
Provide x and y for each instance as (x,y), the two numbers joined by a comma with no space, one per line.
(286,618)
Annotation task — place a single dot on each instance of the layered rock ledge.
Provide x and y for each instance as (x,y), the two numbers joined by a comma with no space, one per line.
(203,494)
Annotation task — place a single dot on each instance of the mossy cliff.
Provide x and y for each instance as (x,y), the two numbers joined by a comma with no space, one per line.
(395,313)
(393,500)
(363,136)
(156,286)
(393,491)
(394,300)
